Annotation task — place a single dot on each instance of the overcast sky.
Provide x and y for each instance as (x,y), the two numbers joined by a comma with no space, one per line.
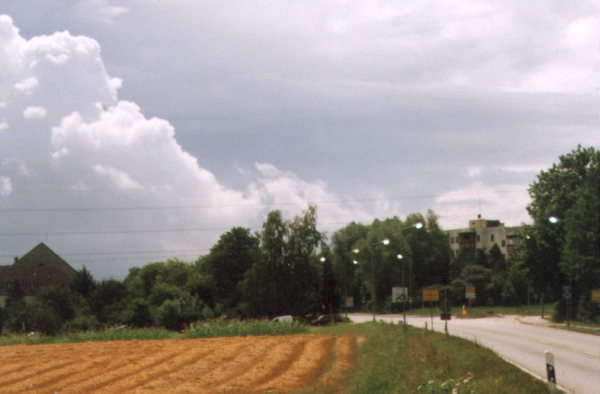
(133,131)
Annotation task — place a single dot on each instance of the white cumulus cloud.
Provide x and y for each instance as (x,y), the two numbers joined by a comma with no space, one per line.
(92,163)
(34,112)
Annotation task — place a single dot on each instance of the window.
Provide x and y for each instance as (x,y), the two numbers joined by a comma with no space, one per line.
(503,243)
(492,237)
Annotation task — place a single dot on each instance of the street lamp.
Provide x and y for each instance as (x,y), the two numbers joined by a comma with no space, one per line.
(404,292)
(386,242)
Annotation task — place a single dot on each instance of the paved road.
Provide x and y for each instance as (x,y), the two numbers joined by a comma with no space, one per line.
(523,341)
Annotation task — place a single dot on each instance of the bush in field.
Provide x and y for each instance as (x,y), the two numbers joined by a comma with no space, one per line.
(207,313)
(138,313)
(169,315)
(32,316)
(3,316)
(164,291)
(108,300)
(82,323)
(61,300)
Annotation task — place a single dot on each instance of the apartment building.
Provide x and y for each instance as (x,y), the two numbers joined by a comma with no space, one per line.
(483,234)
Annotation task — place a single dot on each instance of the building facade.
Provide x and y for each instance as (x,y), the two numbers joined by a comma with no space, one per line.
(39,268)
(483,234)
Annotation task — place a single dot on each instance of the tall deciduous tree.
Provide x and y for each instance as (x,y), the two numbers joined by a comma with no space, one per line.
(264,288)
(83,282)
(561,246)
(343,242)
(229,259)
(302,245)
(284,280)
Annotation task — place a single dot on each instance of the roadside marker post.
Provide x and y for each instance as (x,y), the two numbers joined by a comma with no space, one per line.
(550,371)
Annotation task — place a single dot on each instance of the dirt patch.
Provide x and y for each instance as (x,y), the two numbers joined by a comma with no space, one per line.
(260,363)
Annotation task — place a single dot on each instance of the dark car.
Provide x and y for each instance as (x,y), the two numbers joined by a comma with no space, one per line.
(326,319)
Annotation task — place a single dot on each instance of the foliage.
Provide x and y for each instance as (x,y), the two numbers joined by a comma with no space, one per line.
(169,315)
(478,276)
(138,313)
(24,317)
(227,263)
(302,244)
(83,283)
(346,271)
(565,251)
(81,323)
(282,280)
(330,298)
(265,283)
(108,300)
(63,301)
(413,256)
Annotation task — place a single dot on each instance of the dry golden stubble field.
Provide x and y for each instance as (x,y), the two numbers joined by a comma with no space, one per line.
(251,363)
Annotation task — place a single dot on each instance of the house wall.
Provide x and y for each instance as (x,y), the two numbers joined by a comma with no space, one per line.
(486,233)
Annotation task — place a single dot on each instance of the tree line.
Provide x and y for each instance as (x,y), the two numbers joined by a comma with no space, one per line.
(289,267)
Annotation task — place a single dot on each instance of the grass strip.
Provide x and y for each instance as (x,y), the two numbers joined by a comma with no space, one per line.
(124,334)
(199,330)
(487,311)
(393,360)
(226,328)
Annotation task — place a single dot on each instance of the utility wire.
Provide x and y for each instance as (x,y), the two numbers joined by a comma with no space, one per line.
(212,206)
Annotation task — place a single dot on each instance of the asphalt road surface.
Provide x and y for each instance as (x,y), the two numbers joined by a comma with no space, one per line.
(523,341)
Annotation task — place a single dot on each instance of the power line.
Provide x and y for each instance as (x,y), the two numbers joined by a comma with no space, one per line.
(213,206)
(137,252)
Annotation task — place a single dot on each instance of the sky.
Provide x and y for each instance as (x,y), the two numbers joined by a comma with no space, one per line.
(133,131)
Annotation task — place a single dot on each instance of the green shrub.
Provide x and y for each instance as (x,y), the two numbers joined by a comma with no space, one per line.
(207,313)
(82,323)
(169,315)
(138,313)
(27,317)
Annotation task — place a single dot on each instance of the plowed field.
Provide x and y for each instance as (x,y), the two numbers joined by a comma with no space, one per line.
(260,363)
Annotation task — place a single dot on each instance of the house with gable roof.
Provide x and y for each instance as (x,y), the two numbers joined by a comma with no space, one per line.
(38,268)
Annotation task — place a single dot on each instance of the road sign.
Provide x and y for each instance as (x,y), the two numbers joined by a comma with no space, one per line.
(431,295)
(596,295)
(349,300)
(399,294)
(470,292)
(566,292)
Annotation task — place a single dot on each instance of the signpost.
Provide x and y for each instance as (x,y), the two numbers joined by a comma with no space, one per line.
(470,294)
(349,301)
(399,294)
(567,295)
(431,295)
(595,295)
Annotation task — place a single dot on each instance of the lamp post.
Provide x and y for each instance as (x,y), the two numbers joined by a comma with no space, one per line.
(374,291)
(404,292)
(386,242)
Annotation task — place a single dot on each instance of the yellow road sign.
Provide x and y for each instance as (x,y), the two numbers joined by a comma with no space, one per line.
(431,295)
(470,292)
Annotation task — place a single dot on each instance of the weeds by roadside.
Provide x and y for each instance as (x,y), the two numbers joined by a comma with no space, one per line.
(394,360)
